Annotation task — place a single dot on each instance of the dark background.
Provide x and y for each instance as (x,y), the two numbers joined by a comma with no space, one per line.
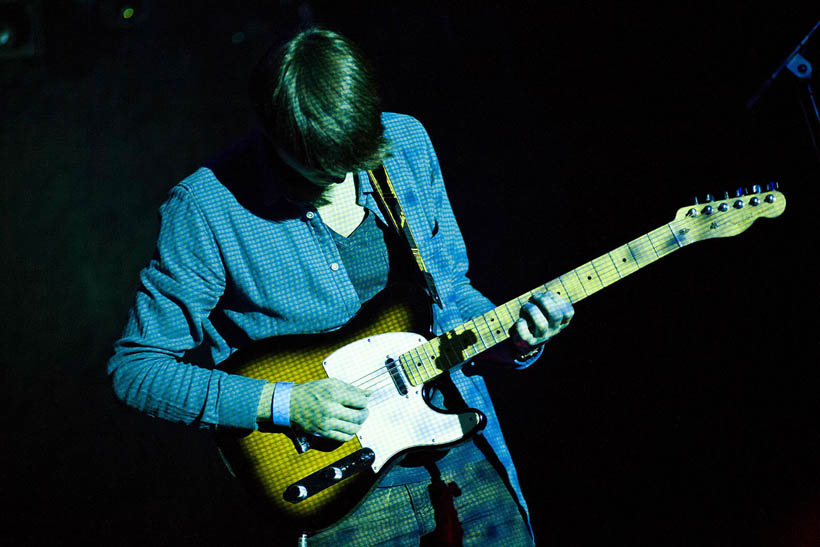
(681,407)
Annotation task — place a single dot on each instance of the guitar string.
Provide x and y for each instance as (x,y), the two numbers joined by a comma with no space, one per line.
(641,245)
(637,247)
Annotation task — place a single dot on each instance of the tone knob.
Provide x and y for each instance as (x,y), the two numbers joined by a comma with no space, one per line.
(296,492)
(334,473)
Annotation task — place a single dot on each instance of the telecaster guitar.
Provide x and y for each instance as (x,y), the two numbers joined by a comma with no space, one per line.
(311,483)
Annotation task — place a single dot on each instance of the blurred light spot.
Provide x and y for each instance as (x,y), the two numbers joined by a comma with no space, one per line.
(127,13)
(6,36)
(238,37)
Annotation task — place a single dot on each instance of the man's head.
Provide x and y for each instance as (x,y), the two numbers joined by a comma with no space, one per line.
(317,99)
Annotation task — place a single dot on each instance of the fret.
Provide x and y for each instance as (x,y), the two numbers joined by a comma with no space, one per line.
(589,278)
(642,252)
(489,329)
(447,350)
(493,327)
(555,286)
(427,365)
(574,287)
(507,315)
(663,240)
(499,329)
(411,371)
(520,301)
(623,260)
(468,340)
(406,362)
(607,271)
(443,359)
(481,340)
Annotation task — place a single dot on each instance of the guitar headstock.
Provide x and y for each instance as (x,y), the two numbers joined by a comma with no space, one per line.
(729,216)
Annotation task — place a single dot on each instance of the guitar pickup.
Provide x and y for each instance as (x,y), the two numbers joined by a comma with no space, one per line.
(395,374)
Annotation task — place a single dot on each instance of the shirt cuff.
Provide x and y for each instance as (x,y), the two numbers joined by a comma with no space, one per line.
(280,404)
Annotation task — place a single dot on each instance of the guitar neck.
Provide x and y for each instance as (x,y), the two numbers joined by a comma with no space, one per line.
(479,334)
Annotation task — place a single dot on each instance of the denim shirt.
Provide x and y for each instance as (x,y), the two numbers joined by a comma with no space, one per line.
(236,262)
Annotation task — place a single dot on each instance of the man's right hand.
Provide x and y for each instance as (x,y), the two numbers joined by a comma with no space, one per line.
(328,407)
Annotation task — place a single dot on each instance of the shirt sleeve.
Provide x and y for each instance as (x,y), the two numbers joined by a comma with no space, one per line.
(176,293)
(471,303)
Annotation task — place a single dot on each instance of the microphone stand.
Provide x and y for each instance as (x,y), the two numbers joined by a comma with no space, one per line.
(798,65)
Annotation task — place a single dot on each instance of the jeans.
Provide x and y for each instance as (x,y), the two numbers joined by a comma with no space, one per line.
(472,506)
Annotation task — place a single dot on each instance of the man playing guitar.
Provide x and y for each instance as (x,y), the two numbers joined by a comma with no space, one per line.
(283,234)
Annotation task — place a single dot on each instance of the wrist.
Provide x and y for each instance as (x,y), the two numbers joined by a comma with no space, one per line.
(280,404)
(263,408)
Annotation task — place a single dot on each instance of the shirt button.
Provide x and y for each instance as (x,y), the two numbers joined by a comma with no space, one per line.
(334,266)
(310,215)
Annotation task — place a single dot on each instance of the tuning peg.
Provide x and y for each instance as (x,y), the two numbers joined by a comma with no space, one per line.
(756,189)
(739,193)
(696,201)
(709,197)
(774,185)
(725,195)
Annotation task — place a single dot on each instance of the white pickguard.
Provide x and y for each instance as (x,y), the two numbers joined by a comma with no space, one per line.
(396,422)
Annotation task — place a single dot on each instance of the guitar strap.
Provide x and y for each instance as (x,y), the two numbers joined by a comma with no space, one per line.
(394,214)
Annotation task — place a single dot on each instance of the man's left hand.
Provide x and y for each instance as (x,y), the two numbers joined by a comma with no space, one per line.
(541,318)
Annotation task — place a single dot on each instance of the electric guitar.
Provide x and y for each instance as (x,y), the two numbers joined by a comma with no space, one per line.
(311,482)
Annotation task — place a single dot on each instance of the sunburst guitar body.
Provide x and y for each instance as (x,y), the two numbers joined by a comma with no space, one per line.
(365,353)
